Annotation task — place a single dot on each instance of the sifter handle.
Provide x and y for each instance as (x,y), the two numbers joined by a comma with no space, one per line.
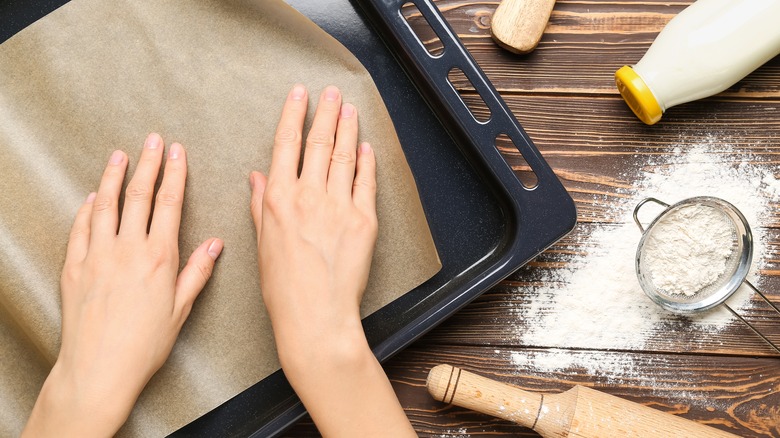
(639,206)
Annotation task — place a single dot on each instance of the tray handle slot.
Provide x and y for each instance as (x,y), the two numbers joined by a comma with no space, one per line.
(523,171)
(478,109)
(410,11)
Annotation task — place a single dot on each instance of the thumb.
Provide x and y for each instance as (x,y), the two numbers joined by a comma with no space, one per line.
(257,181)
(195,274)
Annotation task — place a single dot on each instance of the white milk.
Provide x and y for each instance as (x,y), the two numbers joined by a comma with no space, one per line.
(705,49)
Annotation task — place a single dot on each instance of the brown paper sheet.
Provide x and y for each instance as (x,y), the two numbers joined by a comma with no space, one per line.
(95,76)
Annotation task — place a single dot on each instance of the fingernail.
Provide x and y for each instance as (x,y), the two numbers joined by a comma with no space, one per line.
(298,92)
(365,148)
(116,158)
(347,111)
(252,179)
(175,151)
(215,249)
(152,141)
(91,198)
(332,93)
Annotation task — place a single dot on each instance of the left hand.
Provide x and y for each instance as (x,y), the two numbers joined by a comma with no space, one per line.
(123,300)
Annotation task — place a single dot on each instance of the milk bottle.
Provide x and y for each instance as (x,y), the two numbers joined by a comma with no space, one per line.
(705,49)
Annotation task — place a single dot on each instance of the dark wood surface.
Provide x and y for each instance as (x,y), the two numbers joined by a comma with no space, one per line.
(565,97)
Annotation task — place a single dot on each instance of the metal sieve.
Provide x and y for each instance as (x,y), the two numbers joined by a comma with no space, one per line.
(718,289)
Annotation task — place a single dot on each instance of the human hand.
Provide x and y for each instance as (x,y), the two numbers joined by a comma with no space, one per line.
(123,300)
(316,235)
(316,232)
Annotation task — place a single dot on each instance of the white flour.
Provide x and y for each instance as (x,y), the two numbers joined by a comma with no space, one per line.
(595,301)
(459,433)
(618,368)
(688,249)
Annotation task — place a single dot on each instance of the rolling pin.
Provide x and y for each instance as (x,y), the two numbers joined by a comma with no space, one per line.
(518,25)
(578,412)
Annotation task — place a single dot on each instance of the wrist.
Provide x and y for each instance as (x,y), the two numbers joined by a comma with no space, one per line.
(345,389)
(339,349)
(70,406)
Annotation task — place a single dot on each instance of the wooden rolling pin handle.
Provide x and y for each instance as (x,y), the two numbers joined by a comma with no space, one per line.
(578,412)
(461,388)
(518,25)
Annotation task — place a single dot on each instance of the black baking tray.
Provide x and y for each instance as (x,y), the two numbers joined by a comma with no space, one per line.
(484,221)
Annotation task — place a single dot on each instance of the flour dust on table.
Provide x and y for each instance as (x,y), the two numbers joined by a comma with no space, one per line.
(456,433)
(595,300)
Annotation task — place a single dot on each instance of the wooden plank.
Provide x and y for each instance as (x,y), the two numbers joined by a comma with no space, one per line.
(500,318)
(502,315)
(599,149)
(739,395)
(584,43)
(734,394)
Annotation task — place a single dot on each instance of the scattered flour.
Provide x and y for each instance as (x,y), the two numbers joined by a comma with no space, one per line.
(611,366)
(688,249)
(618,368)
(595,301)
(459,433)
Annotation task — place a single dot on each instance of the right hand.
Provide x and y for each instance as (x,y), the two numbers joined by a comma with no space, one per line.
(316,236)
(316,232)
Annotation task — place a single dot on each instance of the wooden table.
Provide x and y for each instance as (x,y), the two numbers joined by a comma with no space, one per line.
(565,97)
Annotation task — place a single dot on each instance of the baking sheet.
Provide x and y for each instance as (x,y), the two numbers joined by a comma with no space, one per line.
(95,76)
(484,223)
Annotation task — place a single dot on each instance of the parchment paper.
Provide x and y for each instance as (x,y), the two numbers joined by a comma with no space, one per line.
(95,76)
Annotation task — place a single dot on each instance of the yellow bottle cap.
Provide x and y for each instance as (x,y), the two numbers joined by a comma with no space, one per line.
(638,95)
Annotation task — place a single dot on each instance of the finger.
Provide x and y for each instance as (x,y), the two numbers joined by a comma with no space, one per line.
(167,206)
(289,132)
(140,189)
(364,187)
(258,182)
(342,162)
(78,243)
(105,217)
(195,274)
(319,141)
